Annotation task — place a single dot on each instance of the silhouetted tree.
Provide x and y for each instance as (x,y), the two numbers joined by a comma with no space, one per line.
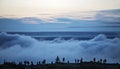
(44,61)
(57,60)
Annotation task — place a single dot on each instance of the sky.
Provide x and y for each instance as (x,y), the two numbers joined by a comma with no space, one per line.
(23,15)
(54,7)
(59,15)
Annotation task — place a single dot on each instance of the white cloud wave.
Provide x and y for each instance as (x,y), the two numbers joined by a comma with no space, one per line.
(20,47)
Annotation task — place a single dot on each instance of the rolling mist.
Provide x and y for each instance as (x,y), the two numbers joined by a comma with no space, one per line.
(16,47)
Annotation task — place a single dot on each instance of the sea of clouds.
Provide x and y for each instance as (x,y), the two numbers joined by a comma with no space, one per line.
(15,47)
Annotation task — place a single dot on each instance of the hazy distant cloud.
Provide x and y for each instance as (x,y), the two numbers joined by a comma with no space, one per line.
(77,21)
(108,15)
(31,20)
(27,21)
(104,16)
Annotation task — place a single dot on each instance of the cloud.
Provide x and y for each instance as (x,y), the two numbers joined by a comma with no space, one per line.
(59,24)
(108,15)
(30,21)
(112,15)
(16,47)
(104,16)
(9,40)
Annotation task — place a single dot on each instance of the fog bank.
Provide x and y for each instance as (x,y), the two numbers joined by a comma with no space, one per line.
(15,47)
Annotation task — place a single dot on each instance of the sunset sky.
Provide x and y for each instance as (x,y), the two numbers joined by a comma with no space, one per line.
(65,28)
(56,11)
(33,7)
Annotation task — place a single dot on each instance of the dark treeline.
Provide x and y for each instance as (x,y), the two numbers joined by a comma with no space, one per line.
(61,64)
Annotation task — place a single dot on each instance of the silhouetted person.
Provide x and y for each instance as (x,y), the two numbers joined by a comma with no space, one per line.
(68,62)
(104,61)
(52,62)
(39,62)
(4,61)
(57,60)
(63,60)
(100,60)
(25,62)
(44,61)
(32,63)
(78,61)
(94,59)
(20,63)
(81,60)
(75,60)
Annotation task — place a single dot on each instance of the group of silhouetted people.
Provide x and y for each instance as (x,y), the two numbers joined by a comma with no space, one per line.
(60,64)
(57,61)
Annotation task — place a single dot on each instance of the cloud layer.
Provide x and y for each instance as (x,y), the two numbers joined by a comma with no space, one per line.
(106,20)
(15,47)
